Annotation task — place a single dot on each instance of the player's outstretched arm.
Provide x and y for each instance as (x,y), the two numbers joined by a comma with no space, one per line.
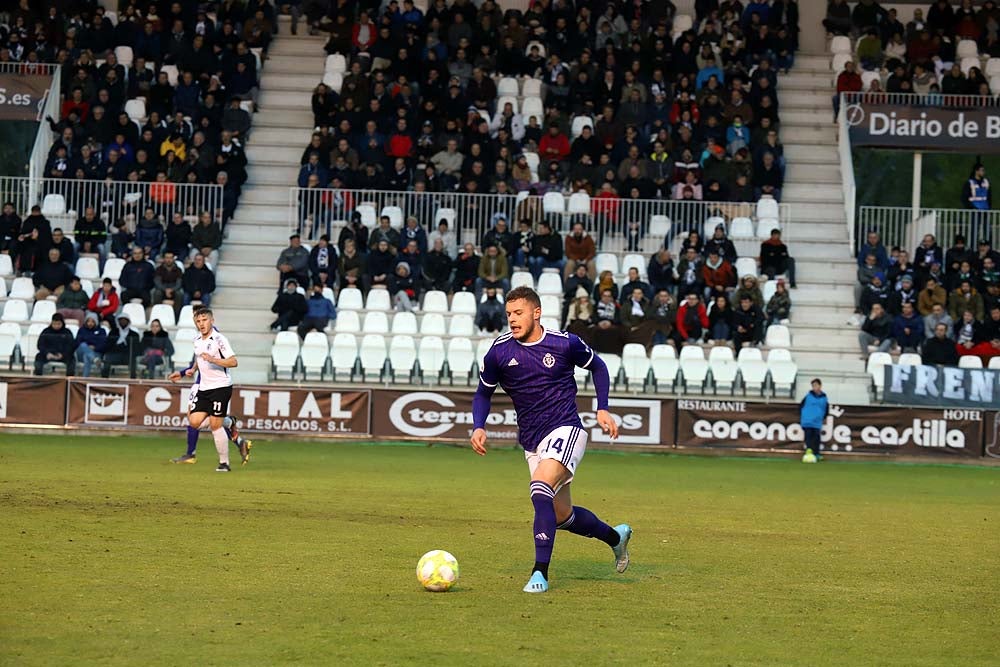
(177,375)
(488,380)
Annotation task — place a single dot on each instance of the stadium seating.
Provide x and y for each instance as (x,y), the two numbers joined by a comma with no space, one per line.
(10,338)
(435,301)
(404,323)
(636,366)
(969,361)
(433,324)
(376,322)
(402,357)
(6,266)
(284,354)
(753,370)
(694,368)
(343,355)
(724,368)
(431,357)
(461,358)
(664,364)
(43,311)
(22,288)
(315,355)
(378,299)
(373,356)
(15,310)
(463,303)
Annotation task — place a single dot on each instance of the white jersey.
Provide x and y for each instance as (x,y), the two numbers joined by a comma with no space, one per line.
(210,375)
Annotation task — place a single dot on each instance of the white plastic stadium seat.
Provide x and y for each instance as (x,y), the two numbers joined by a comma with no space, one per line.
(682,23)
(580,122)
(606,261)
(431,357)
(136,109)
(373,356)
(53,205)
(708,229)
(314,354)
(778,336)
(910,359)
(783,373)
(636,365)
(432,324)
(840,44)
(767,207)
(753,370)
(88,268)
(970,361)
(554,202)
(402,357)
(404,323)
(876,361)
(3,289)
(29,341)
(838,62)
(634,261)
(504,100)
(461,325)
(532,106)
(113,268)
(533,161)
(969,63)
(334,81)
(966,48)
(550,283)
(343,354)
(448,215)
(376,321)
(659,226)
(124,55)
(994,363)
(531,88)
(460,359)
(614,364)
(10,338)
(551,305)
(172,74)
(378,299)
(579,204)
(186,319)
(183,353)
(723,367)
(768,289)
(22,288)
(350,299)
(765,226)
(521,279)
(395,215)
(663,361)
(549,323)
(348,321)
(484,346)
(694,367)
(368,217)
(6,266)
(867,77)
(136,313)
(741,228)
(463,303)
(336,63)
(992,69)
(165,314)
(540,45)
(746,266)
(43,311)
(507,87)
(285,353)
(435,301)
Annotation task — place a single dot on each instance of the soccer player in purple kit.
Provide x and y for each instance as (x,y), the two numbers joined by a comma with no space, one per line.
(534,366)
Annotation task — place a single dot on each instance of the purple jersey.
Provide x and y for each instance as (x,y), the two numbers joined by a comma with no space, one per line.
(538,377)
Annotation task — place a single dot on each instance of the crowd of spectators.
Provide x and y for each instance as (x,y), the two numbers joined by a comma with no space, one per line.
(154,96)
(688,117)
(698,299)
(918,57)
(943,304)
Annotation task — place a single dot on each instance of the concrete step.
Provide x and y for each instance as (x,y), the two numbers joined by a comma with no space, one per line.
(813,135)
(811,192)
(263,214)
(269,195)
(245,232)
(825,249)
(842,273)
(284,118)
(240,275)
(272,175)
(284,137)
(313,62)
(302,48)
(821,212)
(811,96)
(814,173)
(810,117)
(806,153)
(824,230)
(804,61)
(287,155)
(283,99)
(294,82)
(818,78)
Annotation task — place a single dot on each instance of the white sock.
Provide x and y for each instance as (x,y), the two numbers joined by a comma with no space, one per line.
(221,445)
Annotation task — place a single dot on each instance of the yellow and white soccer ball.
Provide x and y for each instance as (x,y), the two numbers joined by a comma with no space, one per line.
(437,571)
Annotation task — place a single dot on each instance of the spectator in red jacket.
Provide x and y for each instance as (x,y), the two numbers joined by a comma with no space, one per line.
(692,320)
(718,275)
(554,146)
(104,302)
(848,81)
(365,33)
(400,144)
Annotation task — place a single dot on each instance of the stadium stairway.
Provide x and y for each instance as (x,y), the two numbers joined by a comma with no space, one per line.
(283,125)
(823,344)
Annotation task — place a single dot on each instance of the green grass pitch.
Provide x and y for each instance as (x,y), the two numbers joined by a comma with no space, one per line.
(109,555)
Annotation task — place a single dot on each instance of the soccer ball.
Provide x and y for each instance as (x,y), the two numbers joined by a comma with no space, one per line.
(437,571)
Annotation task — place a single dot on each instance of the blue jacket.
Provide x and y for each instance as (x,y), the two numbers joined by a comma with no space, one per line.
(813,410)
(706,73)
(96,337)
(320,307)
(881,256)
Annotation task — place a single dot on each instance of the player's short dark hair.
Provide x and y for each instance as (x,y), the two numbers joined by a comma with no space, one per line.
(201,310)
(526,293)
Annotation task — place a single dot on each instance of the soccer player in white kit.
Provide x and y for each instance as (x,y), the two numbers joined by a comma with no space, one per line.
(214,357)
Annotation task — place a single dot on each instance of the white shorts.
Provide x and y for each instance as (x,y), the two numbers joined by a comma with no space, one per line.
(192,397)
(566,444)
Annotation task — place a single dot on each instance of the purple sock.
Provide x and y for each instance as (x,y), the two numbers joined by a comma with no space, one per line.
(545,524)
(584,522)
(192,440)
